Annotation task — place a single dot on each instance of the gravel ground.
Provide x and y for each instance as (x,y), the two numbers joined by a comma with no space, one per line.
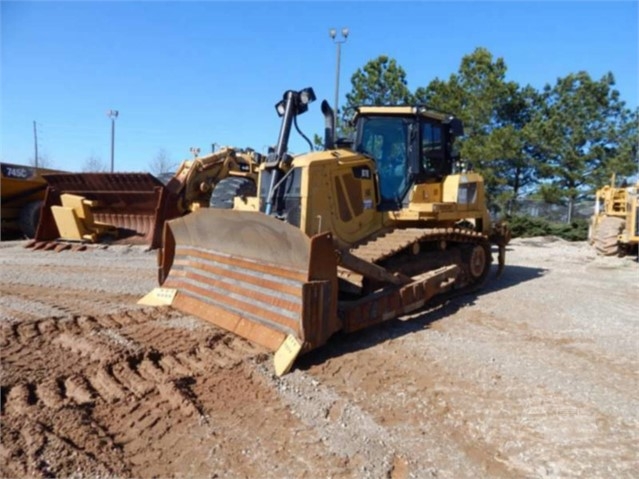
(536,376)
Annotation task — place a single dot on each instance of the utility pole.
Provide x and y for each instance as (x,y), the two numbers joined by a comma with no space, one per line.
(35,144)
(113,114)
(333,34)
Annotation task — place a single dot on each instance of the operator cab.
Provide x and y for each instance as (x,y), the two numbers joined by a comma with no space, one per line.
(409,144)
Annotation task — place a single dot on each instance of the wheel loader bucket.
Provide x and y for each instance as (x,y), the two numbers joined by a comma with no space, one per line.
(253,275)
(135,204)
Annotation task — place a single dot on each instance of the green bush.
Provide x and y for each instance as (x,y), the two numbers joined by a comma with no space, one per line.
(528,226)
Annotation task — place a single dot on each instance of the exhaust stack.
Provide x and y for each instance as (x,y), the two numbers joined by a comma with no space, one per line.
(329,126)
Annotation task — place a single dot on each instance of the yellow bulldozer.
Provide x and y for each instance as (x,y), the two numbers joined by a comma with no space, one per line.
(131,208)
(614,226)
(335,240)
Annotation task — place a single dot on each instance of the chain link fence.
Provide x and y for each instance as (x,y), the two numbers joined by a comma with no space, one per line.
(552,212)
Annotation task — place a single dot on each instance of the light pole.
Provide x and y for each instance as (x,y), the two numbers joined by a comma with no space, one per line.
(113,114)
(338,42)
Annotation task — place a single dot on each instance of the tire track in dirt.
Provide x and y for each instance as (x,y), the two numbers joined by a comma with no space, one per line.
(85,372)
(143,393)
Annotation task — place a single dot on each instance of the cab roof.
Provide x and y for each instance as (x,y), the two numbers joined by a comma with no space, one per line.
(404,111)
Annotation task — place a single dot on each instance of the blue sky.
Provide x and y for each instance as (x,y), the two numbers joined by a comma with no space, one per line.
(189,74)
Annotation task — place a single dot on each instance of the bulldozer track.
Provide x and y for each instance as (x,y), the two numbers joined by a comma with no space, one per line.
(387,249)
(385,246)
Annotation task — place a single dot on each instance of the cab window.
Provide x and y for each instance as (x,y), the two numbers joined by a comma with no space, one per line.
(386,139)
(433,149)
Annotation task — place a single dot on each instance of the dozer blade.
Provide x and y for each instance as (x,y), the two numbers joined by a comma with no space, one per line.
(136,204)
(253,275)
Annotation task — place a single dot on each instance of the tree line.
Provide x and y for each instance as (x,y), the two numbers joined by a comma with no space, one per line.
(558,144)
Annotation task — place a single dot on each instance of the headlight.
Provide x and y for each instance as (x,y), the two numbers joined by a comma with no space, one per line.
(280,108)
(307,95)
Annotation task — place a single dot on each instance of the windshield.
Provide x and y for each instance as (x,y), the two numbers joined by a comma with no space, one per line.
(385,138)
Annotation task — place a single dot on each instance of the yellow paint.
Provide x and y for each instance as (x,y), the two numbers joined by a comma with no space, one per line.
(286,354)
(74,219)
(159,297)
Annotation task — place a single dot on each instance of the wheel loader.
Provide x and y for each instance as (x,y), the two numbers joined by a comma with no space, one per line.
(614,226)
(335,240)
(130,208)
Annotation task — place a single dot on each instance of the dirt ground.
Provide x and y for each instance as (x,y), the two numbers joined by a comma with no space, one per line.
(537,376)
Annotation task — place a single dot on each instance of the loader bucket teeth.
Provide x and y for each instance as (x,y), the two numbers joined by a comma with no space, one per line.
(135,204)
(253,275)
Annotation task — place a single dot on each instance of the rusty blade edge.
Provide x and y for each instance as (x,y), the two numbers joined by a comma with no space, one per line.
(251,310)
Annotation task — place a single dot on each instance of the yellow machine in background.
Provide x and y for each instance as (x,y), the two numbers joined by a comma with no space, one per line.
(195,182)
(334,240)
(131,208)
(614,228)
(23,189)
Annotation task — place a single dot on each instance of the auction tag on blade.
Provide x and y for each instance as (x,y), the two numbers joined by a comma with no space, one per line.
(286,354)
(159,297)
